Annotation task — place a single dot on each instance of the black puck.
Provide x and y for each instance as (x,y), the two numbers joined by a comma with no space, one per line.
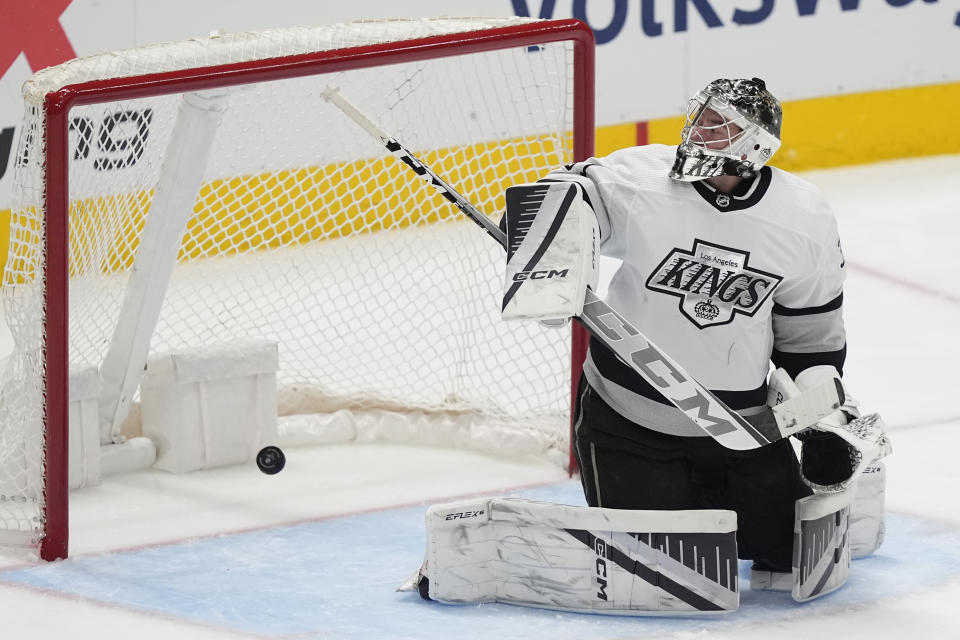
(270,460)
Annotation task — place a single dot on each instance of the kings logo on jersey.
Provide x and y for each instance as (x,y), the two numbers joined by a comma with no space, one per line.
(714,283)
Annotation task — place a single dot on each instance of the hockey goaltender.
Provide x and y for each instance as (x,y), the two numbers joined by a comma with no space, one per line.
(728,265)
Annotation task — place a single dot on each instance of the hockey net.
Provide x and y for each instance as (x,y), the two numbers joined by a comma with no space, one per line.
(298,229)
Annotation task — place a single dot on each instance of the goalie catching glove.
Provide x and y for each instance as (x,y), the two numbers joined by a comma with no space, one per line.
(842,451)
(552,234)
(838,448)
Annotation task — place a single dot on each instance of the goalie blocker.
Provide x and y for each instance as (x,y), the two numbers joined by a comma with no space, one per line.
(551,252)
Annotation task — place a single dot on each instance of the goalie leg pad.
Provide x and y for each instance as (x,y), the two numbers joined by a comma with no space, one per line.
(584,559)
(821,544)
(867,528)
(551,251)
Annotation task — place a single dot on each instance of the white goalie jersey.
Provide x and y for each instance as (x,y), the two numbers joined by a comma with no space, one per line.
(722,282)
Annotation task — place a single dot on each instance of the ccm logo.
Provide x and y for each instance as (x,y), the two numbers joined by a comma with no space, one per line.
(463,514)
(540,275)
(601,550)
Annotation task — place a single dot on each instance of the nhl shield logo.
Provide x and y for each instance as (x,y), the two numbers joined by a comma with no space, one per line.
(723,200)
(713,282)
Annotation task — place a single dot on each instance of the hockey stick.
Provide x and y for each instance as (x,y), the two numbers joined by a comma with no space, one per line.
(706,410)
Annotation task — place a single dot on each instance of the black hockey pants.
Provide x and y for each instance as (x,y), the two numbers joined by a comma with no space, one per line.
(626,466)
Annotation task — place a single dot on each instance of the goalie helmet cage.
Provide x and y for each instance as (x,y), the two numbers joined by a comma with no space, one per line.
(249,179)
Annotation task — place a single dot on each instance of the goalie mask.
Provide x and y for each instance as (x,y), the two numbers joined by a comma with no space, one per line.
(732,128)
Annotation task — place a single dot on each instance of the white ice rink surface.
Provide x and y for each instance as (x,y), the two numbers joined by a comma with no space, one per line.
(205,555)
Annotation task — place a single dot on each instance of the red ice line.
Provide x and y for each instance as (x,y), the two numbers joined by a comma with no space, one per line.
(913,286)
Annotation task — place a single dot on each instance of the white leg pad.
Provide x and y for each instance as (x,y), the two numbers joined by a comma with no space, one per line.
(821,544)
(867,511)
(580,558)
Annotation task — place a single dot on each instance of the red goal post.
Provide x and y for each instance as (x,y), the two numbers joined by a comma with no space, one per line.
(55,142)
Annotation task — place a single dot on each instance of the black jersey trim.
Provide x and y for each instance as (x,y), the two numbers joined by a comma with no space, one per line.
(794,363)
(611,368)
(748,193)
(833,305)
(583,166)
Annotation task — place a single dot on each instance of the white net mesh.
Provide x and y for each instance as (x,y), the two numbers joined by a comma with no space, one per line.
(304,231)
